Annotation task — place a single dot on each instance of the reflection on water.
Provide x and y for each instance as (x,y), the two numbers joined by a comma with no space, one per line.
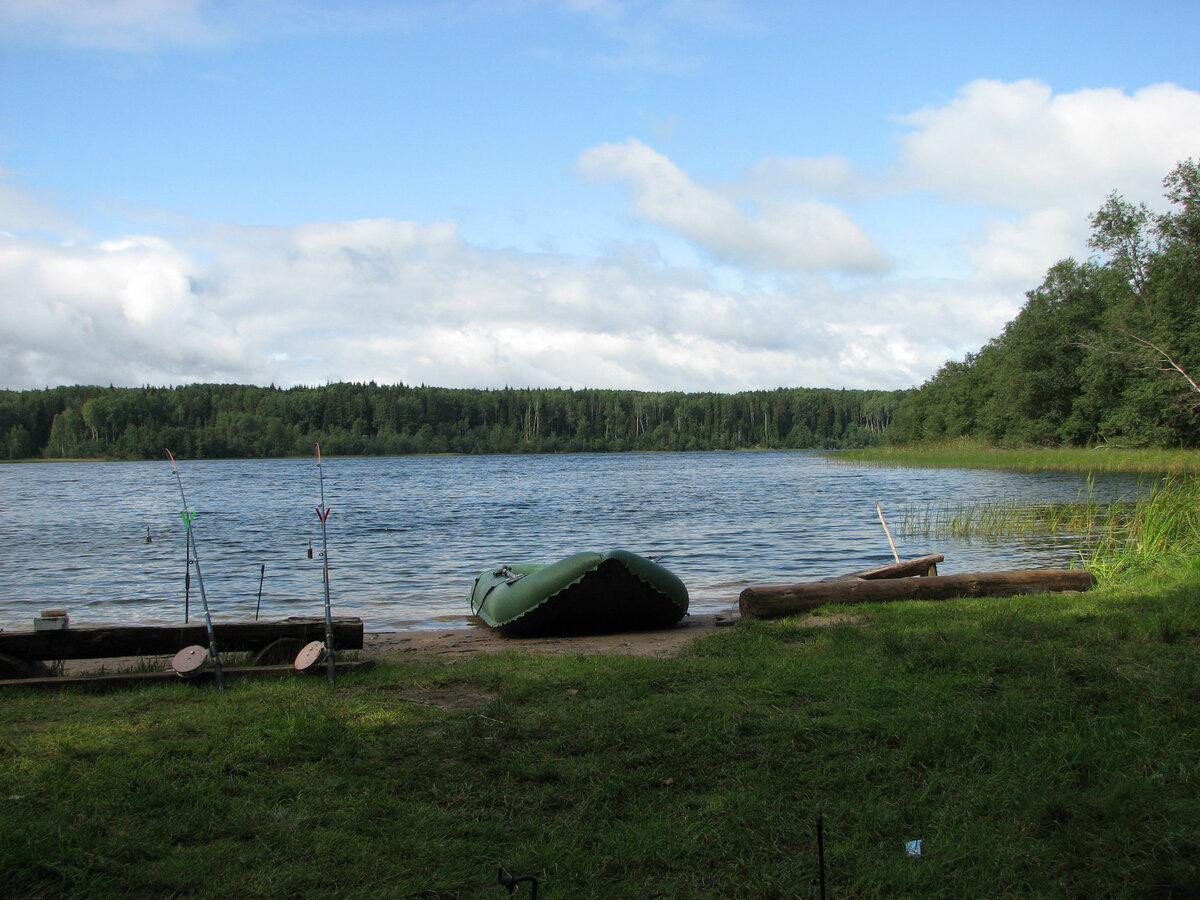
(407,535)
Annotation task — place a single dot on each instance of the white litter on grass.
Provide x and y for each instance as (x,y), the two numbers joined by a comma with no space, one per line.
(912,848)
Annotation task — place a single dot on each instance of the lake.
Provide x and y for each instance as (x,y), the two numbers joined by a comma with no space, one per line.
(408,535)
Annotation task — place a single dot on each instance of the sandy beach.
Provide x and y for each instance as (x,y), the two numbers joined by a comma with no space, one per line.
(456,642)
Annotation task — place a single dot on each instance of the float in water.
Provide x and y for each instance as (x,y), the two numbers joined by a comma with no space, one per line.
(588,593)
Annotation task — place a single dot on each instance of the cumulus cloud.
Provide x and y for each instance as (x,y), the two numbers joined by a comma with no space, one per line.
(1039,162)
(403,301)
(1020,145)
(801,296)
(117,311)
(784,236)
(1019,252)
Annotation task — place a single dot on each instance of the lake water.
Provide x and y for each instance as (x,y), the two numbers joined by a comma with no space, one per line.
(407,535)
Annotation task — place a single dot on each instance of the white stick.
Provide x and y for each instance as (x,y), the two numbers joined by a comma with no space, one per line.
(887,531)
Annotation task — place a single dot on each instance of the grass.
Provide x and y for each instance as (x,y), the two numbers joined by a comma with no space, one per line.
(1039,746)
(1010,518)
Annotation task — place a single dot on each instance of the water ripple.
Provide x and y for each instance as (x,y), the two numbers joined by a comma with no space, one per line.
(407,535)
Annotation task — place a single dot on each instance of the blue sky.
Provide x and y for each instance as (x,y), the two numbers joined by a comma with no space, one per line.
(653,195)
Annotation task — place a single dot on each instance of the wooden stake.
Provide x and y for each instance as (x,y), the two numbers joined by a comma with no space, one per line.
(887,531)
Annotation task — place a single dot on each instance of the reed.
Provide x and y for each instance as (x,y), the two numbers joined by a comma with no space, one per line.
(971,455)
(1086,515)
(1117,538)
(1007,518)
(1160,529)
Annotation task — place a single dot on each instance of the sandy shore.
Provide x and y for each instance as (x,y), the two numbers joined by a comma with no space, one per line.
(455,642)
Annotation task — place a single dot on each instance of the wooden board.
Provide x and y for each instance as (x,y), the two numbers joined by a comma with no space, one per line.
(776,601)
(921,566)
(167,640)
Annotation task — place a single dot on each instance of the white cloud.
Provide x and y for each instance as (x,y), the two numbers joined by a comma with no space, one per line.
(1018,253)
(1018,145)
(1039,163)
(799,297)
(402,301)
(119,312)
(784,236)
(111,24)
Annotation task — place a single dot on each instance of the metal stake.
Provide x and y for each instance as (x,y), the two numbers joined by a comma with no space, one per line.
(821,850)
(212,637)
(323,515)
(262,573)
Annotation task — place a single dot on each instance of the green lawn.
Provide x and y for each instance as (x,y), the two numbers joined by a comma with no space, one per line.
(1038,746)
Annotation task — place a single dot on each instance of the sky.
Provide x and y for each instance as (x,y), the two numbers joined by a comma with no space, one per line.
(684,195)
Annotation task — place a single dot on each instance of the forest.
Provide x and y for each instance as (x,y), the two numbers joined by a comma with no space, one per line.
(228,420)
(1104,352)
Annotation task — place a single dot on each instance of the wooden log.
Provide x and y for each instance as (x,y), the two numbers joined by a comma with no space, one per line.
(772,602)
(921,566)
(104,683)
(167,640)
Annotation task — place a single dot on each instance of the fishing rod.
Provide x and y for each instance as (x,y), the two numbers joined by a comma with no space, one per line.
(187,567)
(323,515)
(187,521)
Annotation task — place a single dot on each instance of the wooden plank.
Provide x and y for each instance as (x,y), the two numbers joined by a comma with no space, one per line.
(776,601)
(167,640)
(102,683)
(921,566)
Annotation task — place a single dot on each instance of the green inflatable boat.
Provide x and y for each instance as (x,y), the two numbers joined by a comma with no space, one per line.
(588,593)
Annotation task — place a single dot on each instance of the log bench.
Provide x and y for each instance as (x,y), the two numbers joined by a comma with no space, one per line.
(23,650)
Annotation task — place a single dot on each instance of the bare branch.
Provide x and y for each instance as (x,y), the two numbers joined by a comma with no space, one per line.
(1145,342)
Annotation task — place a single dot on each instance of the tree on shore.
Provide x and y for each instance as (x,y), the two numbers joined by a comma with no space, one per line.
(1103,351)
(221,420)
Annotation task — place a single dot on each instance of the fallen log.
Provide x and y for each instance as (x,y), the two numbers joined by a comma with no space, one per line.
(776,601)
(167,640)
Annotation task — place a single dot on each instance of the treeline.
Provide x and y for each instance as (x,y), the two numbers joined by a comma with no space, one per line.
(1104,351)
(224,420)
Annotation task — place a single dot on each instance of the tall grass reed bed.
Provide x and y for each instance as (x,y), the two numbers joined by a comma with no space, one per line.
(1116,537)
(971,455)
